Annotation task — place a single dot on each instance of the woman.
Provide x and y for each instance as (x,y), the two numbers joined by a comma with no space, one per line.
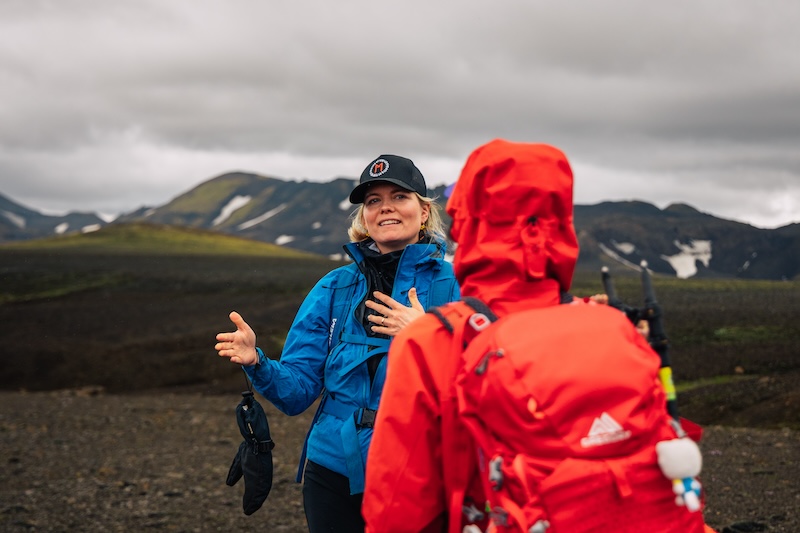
(339,339)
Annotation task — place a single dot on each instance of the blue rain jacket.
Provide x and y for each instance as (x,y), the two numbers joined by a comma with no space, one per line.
(326,352)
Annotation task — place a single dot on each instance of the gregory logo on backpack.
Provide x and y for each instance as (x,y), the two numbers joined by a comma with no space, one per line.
(604,430)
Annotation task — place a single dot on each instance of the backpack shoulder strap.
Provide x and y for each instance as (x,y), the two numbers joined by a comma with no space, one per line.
(342,291)
(480,317)
(463,320)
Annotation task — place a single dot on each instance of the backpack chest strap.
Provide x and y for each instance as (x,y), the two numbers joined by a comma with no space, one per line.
(355,418)
(375,346)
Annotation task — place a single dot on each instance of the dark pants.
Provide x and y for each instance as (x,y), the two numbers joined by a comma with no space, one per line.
(328,504)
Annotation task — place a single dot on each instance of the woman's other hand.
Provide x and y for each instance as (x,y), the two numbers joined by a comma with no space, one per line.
(392,316)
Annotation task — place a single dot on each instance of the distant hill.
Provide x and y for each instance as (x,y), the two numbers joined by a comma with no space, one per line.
(313,217)
(148,238)
(306,216)
(682,240)
(18,222)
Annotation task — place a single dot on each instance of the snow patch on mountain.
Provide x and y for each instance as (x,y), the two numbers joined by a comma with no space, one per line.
(616,257)
(237,202)
(747,263)
(15,219)
(624,247)
(685,262)
(259,219)
(61,228)
(284,239)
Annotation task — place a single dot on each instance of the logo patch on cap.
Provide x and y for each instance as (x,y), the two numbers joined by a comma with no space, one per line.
(378,168)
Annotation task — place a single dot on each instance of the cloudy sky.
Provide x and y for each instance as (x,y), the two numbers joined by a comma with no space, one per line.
(110,105)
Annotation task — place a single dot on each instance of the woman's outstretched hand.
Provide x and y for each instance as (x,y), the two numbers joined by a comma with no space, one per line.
(239,345)
(392,316)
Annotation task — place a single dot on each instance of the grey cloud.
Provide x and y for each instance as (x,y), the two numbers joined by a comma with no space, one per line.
(704,92)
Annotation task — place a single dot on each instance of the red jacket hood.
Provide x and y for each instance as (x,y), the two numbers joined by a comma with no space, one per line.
(512,220)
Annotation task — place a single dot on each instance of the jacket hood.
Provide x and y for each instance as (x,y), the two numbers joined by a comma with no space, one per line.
(513,221)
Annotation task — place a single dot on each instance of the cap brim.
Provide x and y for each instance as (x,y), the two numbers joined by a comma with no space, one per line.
(357,196)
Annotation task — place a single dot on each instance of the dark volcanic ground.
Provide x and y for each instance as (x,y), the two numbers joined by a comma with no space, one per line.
(79,461)
(117,415)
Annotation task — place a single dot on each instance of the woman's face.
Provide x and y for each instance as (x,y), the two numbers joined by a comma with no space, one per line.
(393,216)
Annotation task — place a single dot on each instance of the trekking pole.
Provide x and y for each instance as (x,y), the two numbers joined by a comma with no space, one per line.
(685,486)
(633,314)
(660,343)
(657,337)
(608,286)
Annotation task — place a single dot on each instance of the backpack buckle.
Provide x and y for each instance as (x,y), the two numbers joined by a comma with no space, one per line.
(479,321)
(365,418)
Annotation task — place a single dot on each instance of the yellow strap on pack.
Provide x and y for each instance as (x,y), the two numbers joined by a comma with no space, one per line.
(665,374)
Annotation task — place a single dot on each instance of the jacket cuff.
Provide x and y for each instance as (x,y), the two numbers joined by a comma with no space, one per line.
(262,357)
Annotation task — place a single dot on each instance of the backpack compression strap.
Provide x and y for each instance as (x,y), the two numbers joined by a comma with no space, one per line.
(477,321)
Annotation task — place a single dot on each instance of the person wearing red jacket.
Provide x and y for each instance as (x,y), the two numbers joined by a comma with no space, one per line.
(512,220)
(421,469)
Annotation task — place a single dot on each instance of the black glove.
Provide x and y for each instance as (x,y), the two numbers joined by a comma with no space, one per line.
(254,458)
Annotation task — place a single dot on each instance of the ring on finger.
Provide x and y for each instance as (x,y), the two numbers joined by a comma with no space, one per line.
(383,320)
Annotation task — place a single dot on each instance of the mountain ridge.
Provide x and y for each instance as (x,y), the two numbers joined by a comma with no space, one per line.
(678,240)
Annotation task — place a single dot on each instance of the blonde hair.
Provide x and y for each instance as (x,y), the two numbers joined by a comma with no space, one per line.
(434,226)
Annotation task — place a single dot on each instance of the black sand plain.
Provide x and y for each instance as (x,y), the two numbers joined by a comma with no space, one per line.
(117,415)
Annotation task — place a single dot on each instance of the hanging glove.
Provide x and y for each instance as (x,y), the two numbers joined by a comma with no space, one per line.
(253,460)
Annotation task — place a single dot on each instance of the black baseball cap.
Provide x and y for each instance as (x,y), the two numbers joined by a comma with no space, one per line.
(392,169)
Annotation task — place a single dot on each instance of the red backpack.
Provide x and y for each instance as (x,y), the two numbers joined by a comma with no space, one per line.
(566,408)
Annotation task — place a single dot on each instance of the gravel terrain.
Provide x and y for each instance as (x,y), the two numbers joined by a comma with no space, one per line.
(83,460)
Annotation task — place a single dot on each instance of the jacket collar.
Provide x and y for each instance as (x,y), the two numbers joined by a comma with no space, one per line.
(419,253)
